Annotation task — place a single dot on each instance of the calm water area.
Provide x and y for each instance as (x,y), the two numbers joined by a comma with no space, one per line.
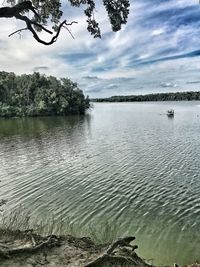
(123,164)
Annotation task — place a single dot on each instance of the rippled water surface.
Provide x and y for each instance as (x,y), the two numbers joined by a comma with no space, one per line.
(123,163)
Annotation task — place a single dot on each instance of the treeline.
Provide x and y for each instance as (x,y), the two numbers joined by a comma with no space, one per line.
(178,96)
(39,95)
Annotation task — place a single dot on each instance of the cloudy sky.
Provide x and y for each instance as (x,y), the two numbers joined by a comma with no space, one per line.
(158,50)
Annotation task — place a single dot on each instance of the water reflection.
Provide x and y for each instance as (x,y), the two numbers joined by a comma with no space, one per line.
(31,127)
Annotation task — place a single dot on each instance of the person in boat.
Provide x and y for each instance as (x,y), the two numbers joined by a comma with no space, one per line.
(170,112)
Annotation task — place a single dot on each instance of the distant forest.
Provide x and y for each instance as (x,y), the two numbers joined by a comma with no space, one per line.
(39,95)
(152,97)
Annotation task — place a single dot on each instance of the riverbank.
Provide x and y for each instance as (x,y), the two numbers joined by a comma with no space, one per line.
(27,249)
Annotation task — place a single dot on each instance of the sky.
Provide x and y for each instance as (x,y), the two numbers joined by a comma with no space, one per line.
(158,50)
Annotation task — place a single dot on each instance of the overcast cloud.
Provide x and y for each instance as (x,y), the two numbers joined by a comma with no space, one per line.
(157,51)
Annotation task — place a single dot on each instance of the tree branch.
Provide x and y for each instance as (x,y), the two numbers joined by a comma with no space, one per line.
(125,241)
(18,31)
(40,26)
(69,31)
(50,242)
(9,12)
(109,256)
(35,35)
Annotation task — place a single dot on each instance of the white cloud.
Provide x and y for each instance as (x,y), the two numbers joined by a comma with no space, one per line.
(148,36)
(158,32)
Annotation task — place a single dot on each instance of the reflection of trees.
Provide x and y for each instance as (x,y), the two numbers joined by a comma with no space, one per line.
(41,126)
(33,151)
(44,138)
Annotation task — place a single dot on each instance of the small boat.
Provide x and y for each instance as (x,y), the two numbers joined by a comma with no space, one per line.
(170,113)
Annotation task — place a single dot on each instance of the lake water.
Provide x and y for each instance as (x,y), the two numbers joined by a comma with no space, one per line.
(126,164)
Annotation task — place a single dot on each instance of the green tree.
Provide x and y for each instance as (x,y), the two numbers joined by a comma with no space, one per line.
(39,95)
(44,11)
(177,96)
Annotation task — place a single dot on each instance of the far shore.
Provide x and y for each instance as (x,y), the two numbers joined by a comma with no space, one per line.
(168,96)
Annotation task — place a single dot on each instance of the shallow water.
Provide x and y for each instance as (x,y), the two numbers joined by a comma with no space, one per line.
(123,163)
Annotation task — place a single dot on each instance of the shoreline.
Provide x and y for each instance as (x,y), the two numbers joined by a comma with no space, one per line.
(28,249)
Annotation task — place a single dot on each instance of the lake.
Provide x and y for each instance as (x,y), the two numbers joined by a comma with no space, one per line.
(123,164)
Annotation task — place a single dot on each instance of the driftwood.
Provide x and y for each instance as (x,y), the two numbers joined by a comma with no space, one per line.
(50,241)
(25,248)
(125,241)
(113,257)
(66,251)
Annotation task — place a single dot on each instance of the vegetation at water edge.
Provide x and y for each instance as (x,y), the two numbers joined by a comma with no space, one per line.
(39,95)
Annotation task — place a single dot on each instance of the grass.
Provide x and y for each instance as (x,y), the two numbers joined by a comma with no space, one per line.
(10,225)
(22,220)
(103,233)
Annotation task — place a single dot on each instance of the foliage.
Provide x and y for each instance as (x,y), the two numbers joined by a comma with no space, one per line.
(117,10)
(44,12)
(152,97)
(39,95)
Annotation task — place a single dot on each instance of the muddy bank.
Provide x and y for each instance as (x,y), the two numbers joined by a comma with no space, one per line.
(27,249)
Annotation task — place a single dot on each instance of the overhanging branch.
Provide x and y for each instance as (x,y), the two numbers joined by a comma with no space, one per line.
(29,24)
(18,31)
(9,12)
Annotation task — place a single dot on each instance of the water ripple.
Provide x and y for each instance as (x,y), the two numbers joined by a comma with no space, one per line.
(124,164)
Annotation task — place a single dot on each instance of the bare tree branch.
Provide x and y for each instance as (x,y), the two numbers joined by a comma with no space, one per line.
(109,255)
(18,31)
(40,26)
(69,31)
